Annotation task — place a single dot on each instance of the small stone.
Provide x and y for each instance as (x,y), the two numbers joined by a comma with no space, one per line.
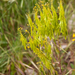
(29,71)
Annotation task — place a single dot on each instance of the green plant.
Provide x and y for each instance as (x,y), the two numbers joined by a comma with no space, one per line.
(43,30)
(12,16)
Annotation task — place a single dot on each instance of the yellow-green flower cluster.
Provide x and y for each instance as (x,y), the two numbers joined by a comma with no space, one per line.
(47,26)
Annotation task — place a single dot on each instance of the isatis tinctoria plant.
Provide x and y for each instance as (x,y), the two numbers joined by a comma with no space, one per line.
(45,26)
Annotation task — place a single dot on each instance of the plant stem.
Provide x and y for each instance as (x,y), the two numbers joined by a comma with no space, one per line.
(60,71)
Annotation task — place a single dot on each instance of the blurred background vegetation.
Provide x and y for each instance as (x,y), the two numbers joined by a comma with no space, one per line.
(14,60)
